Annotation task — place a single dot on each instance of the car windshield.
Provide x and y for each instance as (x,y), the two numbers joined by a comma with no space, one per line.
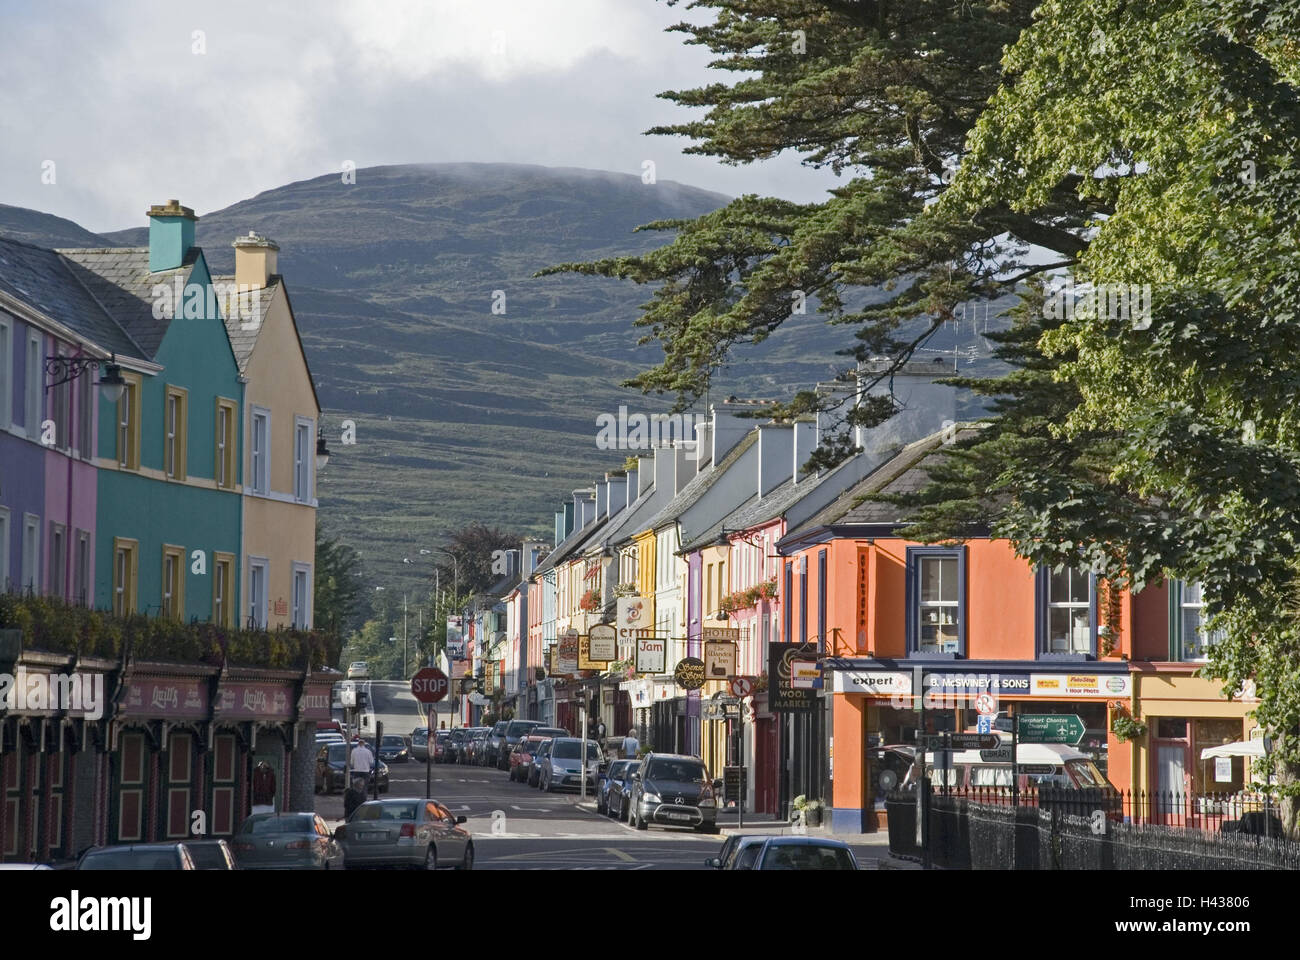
(458,734)
(806,856)
(266,825)
(394,742)
(444,734)
(632,767)
(572,750)
(616,769)
(336,752)
(164,858)
(385,811)
(420,736)
(519,727)
(685,771)
(500,728)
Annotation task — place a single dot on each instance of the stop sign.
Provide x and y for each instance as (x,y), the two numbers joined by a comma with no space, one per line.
(429,685)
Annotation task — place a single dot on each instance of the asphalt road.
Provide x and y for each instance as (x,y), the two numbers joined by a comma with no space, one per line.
(392,704)
(517,827)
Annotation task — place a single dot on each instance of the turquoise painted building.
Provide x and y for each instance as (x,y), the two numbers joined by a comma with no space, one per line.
(169,451)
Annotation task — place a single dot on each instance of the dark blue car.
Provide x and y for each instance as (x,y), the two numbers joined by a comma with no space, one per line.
(615,772)
(618,788)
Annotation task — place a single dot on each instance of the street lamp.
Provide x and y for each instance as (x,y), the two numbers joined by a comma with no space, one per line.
(66,369)
(322,452)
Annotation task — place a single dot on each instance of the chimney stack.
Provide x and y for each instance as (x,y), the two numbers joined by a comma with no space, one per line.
(255,260)
(775,455)
(805,441)
(171,234)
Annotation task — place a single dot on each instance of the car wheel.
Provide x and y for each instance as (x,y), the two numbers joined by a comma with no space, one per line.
(431,859)
(468,862)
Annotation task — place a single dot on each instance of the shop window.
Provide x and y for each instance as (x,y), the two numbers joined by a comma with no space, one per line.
(1171,728)
(936,601)
(1189,639)
(1067,613)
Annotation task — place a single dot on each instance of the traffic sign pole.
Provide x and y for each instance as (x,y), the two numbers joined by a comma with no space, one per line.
(428,757)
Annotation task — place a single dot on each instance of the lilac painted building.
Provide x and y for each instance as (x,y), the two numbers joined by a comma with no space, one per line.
(50,328)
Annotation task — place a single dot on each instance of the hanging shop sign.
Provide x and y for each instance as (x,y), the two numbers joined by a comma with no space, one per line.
(783,696)
(603,640)
(631,614)
(567,657)
(651,653)
(689,673)
(719,660)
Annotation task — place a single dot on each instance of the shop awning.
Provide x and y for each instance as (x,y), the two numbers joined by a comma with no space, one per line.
(1242,748)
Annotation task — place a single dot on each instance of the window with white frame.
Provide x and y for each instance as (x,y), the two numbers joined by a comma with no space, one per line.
(303,452)
(4,549)
(1194,639)
(6,373)
(31,576)
(35,386)
(301,596)
(1069,611)
(260,447)
(257,584)
(935,599)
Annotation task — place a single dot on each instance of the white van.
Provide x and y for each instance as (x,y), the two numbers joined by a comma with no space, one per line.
(1041,765)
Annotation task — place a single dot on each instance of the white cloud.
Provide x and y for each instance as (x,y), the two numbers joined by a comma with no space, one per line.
(116,95)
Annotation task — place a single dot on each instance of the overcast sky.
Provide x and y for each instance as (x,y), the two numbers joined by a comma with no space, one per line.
(117,97)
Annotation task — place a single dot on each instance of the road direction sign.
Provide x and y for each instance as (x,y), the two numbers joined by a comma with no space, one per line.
(430,685)
(961,741)
(742,687)
(1050,728)
(1001,755)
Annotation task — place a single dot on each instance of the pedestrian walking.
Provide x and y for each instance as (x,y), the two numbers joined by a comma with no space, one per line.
(354,796)
(363,761)
(630,745)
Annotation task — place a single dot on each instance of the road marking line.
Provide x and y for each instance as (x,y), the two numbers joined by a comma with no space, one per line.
(621,855)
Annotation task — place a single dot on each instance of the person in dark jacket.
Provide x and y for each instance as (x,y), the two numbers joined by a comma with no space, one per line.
(354,796)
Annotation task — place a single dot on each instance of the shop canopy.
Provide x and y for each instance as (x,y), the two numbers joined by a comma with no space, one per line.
(1242,748)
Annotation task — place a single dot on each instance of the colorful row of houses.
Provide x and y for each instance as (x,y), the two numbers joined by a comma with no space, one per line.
(727,537)
(158,456)
(158,430)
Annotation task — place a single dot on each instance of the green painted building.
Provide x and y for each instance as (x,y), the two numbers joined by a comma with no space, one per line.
(169,451)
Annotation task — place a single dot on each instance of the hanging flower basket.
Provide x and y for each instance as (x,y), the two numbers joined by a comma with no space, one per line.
(590,602)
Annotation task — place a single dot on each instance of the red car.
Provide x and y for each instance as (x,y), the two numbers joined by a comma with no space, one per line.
(440,738)
(521,757)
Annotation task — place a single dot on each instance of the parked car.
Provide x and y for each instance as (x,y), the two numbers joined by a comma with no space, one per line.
(287,841)
(620,788)
(550,732)
(515,730)
(357,670)
(539,757)
(475,745)
(455,741)
(393,749)
(521,757)
(329,726)
(211,854)
(673,789)
(440,741)
(138,856)
(330,769)
(406,832)
(799,853)
(495,738)
(738,852)
(606,780)
(420,744)
(25,866)
(565,765)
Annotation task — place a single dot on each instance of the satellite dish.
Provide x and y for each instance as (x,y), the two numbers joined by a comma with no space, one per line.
(888,780)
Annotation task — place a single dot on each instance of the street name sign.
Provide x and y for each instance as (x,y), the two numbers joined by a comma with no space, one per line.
(1050,728)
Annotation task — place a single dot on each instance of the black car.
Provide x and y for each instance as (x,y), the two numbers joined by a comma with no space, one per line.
(620,788)
(673,790)
(138,856)
(515,730)
(455,742)
(330,770)
(393,749)
(495,738)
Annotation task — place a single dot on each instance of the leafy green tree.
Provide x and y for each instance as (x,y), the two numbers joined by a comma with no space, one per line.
(340,601)
(479,552)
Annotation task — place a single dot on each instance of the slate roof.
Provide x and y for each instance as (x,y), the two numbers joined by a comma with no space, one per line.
(119,278)
(571,546)
(905,472)
(700,484)
(44,280)
(244,313)
(757,511)
(710,536)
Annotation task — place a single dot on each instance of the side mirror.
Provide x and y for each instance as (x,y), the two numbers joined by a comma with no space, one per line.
(340,833)
(636,778)
(713,862)
(718,784)
(460,819)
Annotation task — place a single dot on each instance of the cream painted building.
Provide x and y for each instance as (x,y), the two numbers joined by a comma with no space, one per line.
(281,417)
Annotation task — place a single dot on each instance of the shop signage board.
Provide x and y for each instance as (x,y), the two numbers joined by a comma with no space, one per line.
(722,634)
(804,674)
(455,638)
(719,659)
(873,682)
(174,697)
(603,643)
(314,704)
(1108,685)
(783,696)
(689,673)
(567,655)
(1049,728)
(631,614)
(241,700)
(585,661)
(733,784)
(651,653)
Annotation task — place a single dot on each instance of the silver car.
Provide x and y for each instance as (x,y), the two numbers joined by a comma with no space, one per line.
(406,832)
(286,841)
